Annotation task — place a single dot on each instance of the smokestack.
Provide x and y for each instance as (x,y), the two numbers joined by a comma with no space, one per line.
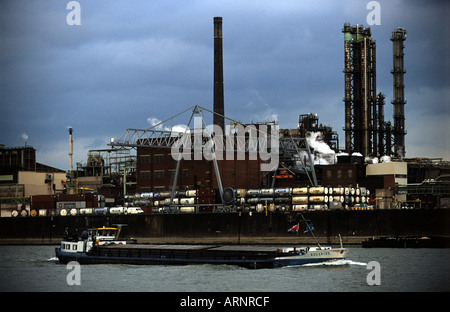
(218,75)
(70,149)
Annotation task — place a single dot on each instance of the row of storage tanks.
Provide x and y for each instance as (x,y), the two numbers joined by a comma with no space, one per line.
(72,205)
(281,199)
(303,198)
(189,201)
(204,200)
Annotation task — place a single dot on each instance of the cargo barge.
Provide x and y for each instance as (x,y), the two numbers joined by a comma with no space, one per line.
(102,246)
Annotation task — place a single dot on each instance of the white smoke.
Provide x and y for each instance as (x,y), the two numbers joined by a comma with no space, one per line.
(371,160)
(157,124)
(376,160)
(315,140)
(323,154)
(24,136)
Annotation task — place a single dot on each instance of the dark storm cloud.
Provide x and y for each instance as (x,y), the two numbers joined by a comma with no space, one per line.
(129,61)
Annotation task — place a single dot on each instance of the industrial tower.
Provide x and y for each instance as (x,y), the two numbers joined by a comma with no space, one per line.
(366,131)
(218,93)
(360,90)
(399,100)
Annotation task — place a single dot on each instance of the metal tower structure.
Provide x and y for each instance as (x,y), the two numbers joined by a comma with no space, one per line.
(199,138)
(399,100)
(360,90)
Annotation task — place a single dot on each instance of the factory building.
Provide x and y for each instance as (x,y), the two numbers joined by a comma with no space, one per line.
(21,176)
(116,172)
(308,123)
(366,132)
(156,170)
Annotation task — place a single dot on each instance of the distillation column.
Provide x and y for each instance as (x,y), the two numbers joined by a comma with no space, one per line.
(399,101)
(360,90)
(348,87)
(70,150)
(381,125)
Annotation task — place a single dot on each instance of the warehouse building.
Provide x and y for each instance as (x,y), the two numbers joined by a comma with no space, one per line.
(21,177)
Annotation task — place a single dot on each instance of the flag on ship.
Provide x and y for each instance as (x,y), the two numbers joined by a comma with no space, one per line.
(294,229)
(309,227)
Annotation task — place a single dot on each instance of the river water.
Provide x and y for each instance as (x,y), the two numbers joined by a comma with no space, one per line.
(35,268)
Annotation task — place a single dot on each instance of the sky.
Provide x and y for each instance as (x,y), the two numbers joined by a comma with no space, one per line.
(129,62)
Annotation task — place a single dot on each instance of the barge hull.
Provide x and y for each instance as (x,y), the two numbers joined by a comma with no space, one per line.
(253,257)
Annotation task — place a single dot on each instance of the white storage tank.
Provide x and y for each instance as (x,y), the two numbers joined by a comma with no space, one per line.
(266,192)
(187,201)
(318,190)
(299,207)
(191,193)
(299,199)
(318,199)
(300,191)
(187,209)
(282,191)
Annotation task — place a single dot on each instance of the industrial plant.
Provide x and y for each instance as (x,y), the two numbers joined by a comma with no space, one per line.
(222,171)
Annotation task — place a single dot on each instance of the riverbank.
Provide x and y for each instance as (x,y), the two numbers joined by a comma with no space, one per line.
(236,228)
(294,240)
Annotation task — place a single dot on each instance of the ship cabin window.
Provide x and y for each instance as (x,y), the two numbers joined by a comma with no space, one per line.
(74,247)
